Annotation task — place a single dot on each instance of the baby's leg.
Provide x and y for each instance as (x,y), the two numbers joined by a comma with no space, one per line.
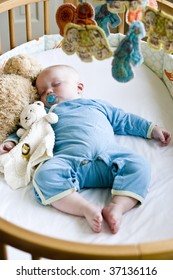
(50,180)
(115,209)
(131,175)
(75,204)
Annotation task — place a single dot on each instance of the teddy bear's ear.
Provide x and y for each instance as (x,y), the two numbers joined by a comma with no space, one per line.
(23,65)
(39,103)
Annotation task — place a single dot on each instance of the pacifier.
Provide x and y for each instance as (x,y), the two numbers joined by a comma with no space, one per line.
(51,98)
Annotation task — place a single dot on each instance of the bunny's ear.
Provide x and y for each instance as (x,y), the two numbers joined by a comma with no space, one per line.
(40,103)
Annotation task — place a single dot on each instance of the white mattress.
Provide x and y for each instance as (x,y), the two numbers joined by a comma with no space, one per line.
(145,95)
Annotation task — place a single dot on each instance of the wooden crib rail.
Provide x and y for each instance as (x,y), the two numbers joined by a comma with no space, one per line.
(42,246)
(10,5)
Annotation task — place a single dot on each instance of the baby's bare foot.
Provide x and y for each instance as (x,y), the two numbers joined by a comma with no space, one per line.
(94,217)
(113,215)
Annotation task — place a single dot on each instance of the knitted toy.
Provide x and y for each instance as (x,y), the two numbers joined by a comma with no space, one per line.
(66,13)
(16,90)
(87,41)
(81,33)
(159,29)
(35,145)
(105,18)
(134,11)
(128,53)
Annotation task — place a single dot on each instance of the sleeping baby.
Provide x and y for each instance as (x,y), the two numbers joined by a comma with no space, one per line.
(86,154)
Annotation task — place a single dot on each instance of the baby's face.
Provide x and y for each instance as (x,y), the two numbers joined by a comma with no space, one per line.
(62,82)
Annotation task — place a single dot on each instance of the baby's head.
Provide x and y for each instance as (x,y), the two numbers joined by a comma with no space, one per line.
(58,83)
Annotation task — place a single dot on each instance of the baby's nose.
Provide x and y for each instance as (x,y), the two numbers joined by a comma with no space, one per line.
(49,91)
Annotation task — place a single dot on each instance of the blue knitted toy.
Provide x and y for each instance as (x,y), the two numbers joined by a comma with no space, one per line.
(105,18)
(128,53)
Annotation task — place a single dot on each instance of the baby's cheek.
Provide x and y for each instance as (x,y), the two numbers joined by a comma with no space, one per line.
(42,98)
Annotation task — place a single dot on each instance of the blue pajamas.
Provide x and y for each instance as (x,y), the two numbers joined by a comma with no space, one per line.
(86,153)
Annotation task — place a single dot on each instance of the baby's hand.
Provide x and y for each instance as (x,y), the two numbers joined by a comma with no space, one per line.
(161,135)
(6,147)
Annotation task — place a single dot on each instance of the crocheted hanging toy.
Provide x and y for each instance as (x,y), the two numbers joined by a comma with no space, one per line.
(105,18)
(68,13)
(116,6)
(65,14)
(128,53)
(136,8)
(159,29)
(133,8)
(85,14)
(81,33)
(152,4)
(134,11)
(87,41)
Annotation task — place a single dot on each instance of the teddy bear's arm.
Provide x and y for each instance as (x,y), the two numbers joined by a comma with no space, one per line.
(20,132)
(51,118)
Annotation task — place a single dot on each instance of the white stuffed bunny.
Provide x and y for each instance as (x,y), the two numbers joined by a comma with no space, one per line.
(35,145)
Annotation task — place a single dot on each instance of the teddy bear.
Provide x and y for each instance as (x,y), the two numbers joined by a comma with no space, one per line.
(32,115)
(35,145)
(16,90)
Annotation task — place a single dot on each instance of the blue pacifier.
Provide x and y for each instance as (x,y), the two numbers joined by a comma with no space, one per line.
(51,98)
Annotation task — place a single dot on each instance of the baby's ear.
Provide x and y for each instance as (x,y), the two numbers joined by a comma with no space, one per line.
(80,87)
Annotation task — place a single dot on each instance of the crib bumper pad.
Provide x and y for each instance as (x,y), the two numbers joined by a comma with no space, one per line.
(158,61)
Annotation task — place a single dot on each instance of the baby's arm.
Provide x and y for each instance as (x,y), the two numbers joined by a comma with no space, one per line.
(161,135)
(6,147)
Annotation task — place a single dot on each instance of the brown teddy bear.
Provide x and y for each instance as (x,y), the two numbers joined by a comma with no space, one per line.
(16,90)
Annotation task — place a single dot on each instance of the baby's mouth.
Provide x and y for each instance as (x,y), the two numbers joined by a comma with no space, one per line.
(51,98)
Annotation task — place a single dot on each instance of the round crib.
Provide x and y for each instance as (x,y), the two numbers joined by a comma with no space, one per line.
(44,246)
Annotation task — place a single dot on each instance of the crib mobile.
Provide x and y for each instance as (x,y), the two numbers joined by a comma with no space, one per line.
(85,31)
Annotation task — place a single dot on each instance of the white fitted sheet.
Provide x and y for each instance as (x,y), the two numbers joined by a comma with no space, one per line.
(145,95)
